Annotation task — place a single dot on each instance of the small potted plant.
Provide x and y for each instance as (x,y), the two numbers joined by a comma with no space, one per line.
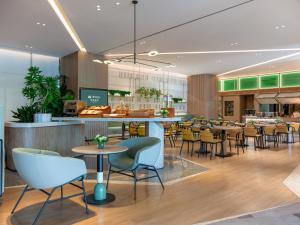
(164,113)
(101,140)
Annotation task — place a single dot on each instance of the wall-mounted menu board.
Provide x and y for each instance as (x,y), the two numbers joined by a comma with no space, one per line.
(230,85)
(290,79)
(269,81)
(248,83)
(94,97)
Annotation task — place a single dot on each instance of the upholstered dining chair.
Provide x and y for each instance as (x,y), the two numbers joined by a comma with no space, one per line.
(42,169)
(142,153)
(188,137)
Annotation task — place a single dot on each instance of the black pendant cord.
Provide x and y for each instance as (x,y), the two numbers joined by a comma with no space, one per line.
(179,25)
(134,30)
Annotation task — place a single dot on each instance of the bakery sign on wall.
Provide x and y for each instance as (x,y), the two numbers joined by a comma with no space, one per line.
(94,97)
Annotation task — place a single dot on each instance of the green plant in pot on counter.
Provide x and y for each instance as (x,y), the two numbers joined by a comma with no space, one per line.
(101,140)
(164,113)
(25,113)
(44,97)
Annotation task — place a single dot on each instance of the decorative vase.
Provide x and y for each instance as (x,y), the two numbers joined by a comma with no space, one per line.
(42,117)
(99,192)
(101,145)
(165,115)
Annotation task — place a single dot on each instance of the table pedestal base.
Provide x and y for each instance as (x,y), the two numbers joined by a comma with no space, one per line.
(227,154)
(91,200)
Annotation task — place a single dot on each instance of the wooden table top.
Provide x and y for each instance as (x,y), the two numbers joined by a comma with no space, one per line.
(226,128)
(93,149)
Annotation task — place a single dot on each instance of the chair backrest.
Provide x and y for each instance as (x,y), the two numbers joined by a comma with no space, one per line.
(144,150)
(295,127)
(141,131)
(250,131)
(206,136)
(233,133)
(282,128)
(188,135)
(269,130)
(42,169)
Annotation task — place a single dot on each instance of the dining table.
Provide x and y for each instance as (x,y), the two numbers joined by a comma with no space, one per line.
(100,196)
(224,153)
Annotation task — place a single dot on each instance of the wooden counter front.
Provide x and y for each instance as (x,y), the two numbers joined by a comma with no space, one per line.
(56,136)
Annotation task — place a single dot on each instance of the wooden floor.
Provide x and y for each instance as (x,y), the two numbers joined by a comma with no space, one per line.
(240,184)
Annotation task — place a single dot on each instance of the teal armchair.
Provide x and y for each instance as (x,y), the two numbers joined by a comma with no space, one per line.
(42,169)
(142,153)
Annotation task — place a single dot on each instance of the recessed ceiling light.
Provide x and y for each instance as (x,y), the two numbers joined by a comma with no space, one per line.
(97,61)
(38,23)
(98,6)
(98,9)
(108,62)
(152,53)
(171,66)
(118,3)
(44,24)
(277,27)
(234,44)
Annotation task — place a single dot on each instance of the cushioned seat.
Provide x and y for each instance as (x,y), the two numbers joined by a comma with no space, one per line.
(142,153)
(43,169)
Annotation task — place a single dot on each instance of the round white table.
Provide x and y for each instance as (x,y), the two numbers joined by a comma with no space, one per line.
(93,150)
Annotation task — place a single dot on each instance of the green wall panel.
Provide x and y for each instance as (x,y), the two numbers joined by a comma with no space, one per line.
(290,79)
(230,85)
(248,83)
(219,85)
(269,81)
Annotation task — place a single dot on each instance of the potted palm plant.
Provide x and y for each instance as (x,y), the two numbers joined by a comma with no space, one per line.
(43,93)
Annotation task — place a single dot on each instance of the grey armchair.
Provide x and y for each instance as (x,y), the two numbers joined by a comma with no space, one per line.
(142,153)
(41,169)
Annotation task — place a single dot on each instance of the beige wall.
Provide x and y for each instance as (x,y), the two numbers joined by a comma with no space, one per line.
(83,72)
(202,95)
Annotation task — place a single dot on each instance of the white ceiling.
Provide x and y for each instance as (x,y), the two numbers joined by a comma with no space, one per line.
(251,25)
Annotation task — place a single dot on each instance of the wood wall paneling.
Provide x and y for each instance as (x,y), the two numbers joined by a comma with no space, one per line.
(202,95)
(83,72)
(56,138)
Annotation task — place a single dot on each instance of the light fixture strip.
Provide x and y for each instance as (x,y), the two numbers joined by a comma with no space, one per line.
(259,64)
(58,9)
(212,52)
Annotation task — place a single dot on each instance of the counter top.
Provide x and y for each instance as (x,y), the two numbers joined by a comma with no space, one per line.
(33,125)
(154,119)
